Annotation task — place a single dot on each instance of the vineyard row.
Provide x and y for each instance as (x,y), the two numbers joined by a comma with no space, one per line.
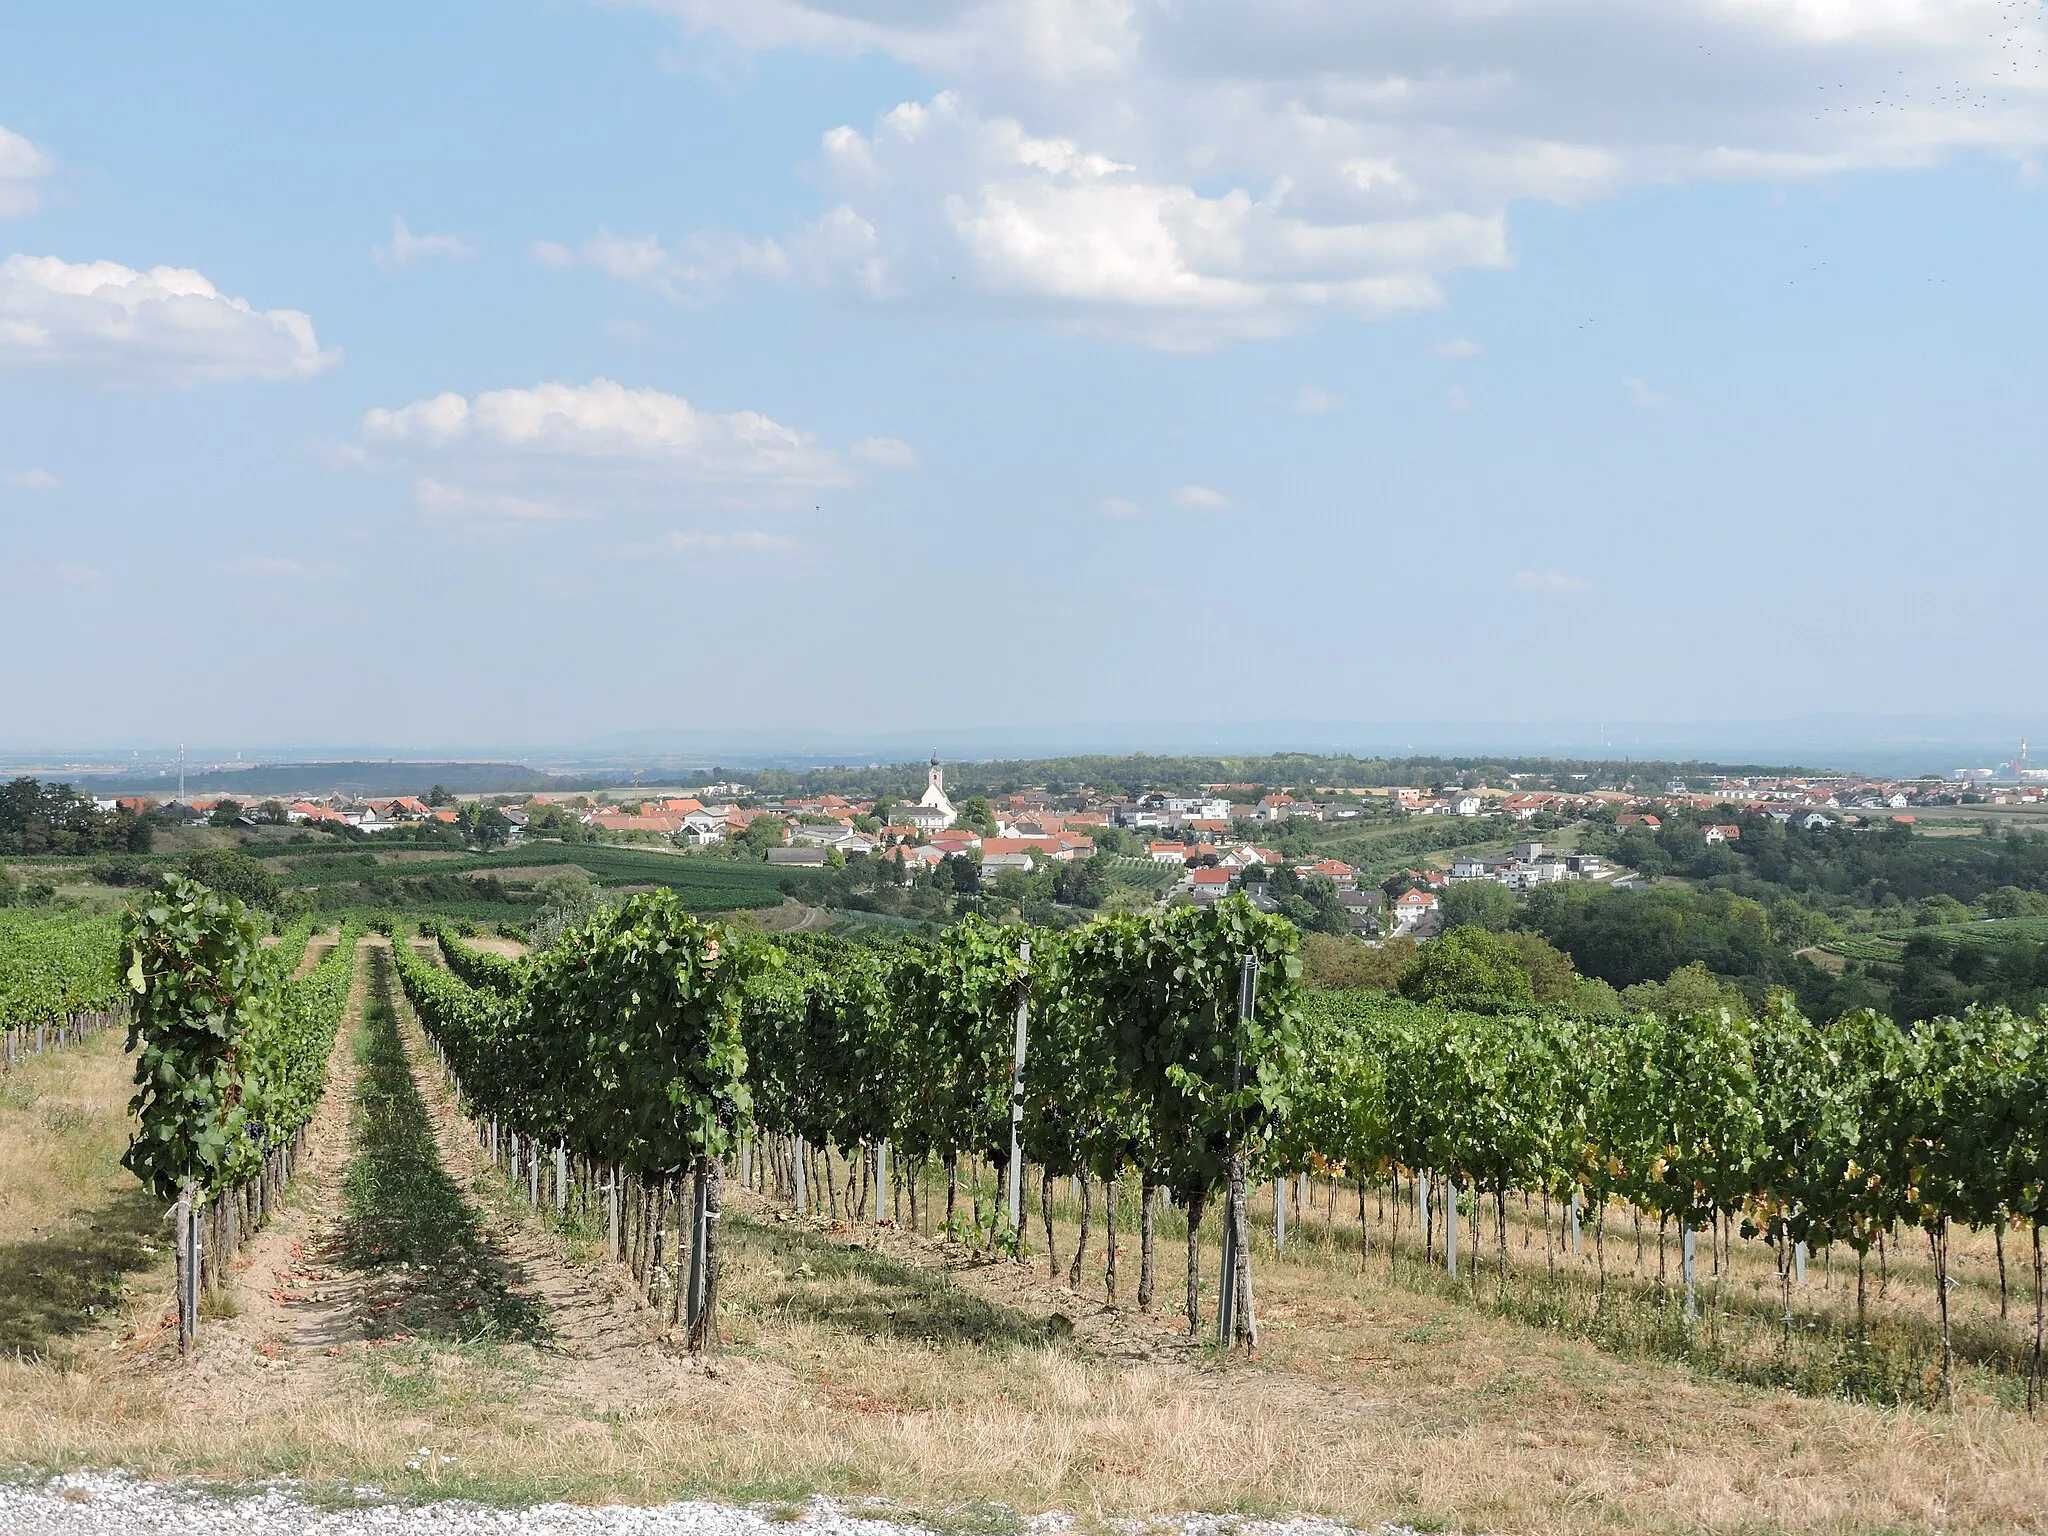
(232,1054)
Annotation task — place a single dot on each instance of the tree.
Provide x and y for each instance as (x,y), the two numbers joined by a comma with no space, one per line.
(1325,909)
(437,797)
(2011,901)
(567,901)
(1479,904)
(763,833)
(55,818)
(485,824)
(1471,969)
(225,814)
(1078,883)
(1686,992)
(236,875)
(1550,972)
(1328,961)
(979,814)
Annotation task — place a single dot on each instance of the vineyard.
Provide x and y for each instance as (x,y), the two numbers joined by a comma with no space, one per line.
(232,1049)
(1142,1067)
(753,1134)
(58,979)
(701,884)
(1990,937)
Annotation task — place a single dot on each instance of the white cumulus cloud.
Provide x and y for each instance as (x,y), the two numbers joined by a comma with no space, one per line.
(168,325)
(605,422)
(1647,396)
(30,480)
(406,248)
(1457,349)
(1314,400)
(22,168)
(1118,507)
(1200,498)
(1550,581)
(1187,172)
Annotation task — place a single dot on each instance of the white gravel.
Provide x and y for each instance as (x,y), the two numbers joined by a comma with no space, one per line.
(115,1504)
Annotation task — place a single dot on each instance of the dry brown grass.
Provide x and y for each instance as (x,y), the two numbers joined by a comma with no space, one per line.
(492,944)
(881,1363)
(1479,1426)
(76,1230)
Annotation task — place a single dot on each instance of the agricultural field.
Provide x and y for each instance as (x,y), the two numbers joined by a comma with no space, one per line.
(433,1300)
(701,883)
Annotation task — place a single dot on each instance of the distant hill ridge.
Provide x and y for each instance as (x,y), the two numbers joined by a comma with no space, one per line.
(267,780)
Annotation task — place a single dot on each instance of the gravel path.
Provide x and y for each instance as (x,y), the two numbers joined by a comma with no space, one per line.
(114,1504)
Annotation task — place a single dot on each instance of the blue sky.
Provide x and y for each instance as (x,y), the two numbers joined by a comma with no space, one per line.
(915,365)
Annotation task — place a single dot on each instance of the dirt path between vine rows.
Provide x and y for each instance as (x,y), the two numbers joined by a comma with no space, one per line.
(614,1353)
(287,1307)
(317,1302)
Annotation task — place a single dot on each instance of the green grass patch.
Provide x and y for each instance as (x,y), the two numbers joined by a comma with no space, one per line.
(434,1273)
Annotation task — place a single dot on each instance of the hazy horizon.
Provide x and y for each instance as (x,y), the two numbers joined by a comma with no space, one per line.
(1880,745)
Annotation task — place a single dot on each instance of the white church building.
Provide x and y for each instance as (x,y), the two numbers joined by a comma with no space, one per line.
(934,812)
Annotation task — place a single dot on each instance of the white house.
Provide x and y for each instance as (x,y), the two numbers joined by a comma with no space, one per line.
(705,826)
(1468,805)
(1410,907)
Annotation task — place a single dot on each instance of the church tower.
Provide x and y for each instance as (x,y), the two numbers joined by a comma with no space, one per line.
(935,791)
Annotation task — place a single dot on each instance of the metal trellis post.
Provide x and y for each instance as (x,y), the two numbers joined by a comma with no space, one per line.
(1016,1190)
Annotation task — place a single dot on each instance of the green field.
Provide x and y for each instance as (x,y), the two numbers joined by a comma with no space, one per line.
(1864,946)
(702,884)
(1991,935)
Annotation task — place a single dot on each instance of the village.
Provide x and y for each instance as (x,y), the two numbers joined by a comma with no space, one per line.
(1211,842)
